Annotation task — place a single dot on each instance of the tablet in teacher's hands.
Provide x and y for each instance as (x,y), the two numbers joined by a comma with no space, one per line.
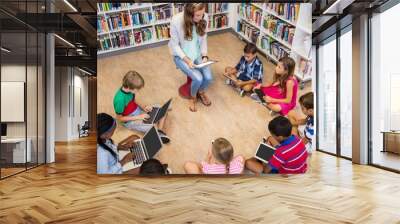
(210,62)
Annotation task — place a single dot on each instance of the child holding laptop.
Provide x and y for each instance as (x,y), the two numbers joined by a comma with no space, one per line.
(290,155)
(219,160)
(248,72)
(129,111)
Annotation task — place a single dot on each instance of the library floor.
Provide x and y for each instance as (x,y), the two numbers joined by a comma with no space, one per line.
(69,191)
(240,120)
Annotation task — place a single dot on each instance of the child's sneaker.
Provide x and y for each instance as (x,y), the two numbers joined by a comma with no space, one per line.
(242,92)
(228,82)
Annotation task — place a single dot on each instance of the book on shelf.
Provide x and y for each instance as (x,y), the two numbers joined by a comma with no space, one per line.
(163,12)
(250,12)
(142,35)
(178,7)
(278,50)
(304,66)
(279,29)
(265,43)
(248,30)
(212,8)
(142,18)
(289,11)
(101,7)
(162,31)
(218,21)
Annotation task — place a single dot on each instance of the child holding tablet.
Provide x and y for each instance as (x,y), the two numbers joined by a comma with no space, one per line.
(248,72)
(290,155)
(220,160)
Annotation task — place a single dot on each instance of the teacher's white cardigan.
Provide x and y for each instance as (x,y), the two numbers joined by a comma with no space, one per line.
(177,33)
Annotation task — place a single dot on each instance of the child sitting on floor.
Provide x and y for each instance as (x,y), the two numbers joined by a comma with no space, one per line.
(129,111)
(281,94)
(219,160)
(290,155)
(248,72)
(307,107)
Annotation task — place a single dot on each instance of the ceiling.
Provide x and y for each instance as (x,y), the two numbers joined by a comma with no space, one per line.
(76,25)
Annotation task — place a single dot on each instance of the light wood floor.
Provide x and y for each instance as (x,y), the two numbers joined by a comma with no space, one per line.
(240,120)
(69,191)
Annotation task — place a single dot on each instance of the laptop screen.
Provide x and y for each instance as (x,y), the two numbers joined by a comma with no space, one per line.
(163,110)
(152,142)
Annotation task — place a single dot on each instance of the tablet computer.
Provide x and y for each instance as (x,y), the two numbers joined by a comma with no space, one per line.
(264,152)
(260,95)
(205,64)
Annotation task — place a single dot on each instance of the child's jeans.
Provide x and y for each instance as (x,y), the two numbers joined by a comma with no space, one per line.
(201,77)
(138,125)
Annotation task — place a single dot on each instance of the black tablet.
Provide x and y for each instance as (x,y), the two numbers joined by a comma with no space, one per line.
(264,152)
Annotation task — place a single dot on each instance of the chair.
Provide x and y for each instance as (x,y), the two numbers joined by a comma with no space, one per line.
(84,130)
(184,90)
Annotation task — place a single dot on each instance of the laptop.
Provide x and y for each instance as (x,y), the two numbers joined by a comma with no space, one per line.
(157,113)
(147,147)
(264,152)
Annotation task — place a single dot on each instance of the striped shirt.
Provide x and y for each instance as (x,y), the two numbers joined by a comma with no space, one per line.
(248,71)
(290,156)
(236,167)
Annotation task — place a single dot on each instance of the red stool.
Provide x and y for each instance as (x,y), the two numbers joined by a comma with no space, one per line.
(184,90)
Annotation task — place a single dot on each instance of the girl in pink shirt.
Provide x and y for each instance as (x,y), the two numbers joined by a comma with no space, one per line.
(281,94)
(219,160)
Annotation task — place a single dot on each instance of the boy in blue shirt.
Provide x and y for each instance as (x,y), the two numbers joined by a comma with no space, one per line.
(247,73)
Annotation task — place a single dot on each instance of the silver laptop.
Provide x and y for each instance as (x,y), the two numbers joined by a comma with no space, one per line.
(157,113)
(147,147)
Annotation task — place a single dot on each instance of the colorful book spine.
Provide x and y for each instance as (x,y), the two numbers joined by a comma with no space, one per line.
(279,29)
(289,11)
(141,18)
(102,7)
(248,30)
(163,12)
(218,21)
(212,8)
(250,12)
(162,31)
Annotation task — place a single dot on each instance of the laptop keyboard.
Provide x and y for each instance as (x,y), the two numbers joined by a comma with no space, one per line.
(139,154)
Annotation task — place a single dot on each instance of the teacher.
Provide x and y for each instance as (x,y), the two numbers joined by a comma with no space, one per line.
(188,45)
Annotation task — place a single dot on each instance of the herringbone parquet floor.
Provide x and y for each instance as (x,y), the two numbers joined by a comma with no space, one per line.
(70,191)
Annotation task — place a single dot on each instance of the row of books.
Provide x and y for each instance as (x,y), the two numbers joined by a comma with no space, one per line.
(112,6)
(162,31)
(123,20)
(248,30)
(304,67)
(279,29)
(276,49)
(250,12)
(162,13)
(218,21)
(125,38)
(289,11)
(178,7)
(212,8)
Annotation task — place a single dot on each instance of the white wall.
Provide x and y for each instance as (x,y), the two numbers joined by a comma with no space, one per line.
(69,85)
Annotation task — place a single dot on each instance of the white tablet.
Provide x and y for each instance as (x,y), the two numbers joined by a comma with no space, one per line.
(264,152)
(205,64)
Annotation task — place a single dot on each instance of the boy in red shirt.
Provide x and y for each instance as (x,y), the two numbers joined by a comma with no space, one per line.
(290,156)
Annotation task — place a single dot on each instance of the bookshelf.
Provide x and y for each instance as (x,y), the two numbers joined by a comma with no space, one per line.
(128,25)
(278,29)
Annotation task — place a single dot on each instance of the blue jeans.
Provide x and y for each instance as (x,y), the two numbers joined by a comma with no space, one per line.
(201,77)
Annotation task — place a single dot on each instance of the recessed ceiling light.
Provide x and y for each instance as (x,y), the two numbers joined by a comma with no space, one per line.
(5,50)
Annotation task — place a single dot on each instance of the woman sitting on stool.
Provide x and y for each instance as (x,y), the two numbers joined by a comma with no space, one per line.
(188,44)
